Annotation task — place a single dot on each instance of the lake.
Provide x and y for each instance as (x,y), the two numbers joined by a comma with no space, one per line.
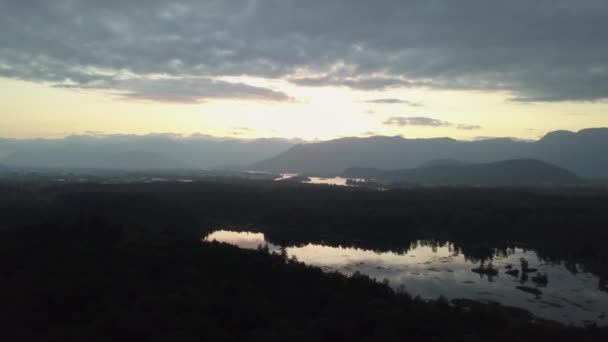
(341,181)
(328,181)
(567,296)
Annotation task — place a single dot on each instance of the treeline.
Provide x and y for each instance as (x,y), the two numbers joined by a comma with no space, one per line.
(89,280)
(560,223)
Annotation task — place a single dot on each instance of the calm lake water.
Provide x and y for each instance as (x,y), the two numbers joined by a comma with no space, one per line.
(319,180)
(329,181)
(572,298)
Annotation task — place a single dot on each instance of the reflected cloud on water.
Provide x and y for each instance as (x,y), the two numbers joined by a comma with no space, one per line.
(429,271)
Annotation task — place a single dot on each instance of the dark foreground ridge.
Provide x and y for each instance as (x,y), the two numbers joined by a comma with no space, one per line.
(93,281)
(516,172)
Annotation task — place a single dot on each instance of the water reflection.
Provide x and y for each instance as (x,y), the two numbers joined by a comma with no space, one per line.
(320,180)
(328,181)
(285,176)
(519,278)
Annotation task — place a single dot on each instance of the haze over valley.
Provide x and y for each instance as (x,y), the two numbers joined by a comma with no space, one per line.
(574,152)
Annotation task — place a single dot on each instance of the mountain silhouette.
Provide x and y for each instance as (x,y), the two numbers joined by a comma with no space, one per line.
(138,152)
(583,152)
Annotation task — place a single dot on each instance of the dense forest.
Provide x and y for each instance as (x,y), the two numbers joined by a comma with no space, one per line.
(560,223)
(91,280)
(127,259)
(516,172)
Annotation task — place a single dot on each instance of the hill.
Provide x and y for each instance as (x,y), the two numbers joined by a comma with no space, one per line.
(581,152)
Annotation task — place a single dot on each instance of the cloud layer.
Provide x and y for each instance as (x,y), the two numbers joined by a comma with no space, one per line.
(546,50)
(424,121)
(394,101)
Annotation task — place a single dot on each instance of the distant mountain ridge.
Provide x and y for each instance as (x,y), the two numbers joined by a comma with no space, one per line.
(508,172)
(583,152)
(138,152)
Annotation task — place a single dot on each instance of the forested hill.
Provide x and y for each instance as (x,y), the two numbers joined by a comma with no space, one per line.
(508,172)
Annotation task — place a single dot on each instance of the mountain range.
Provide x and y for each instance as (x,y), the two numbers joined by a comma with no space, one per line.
(584,153)
(127,152)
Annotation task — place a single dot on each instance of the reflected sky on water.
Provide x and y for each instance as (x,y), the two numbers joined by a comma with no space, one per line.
(319,180)
(430,271)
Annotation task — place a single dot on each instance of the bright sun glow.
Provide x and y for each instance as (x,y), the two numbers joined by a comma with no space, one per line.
(38,110)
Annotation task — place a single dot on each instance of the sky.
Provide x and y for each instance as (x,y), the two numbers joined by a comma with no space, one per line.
(315,69)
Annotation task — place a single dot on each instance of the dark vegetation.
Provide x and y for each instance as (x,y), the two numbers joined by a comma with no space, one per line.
(561,224)
(515,172)
(89,280)
(63,280)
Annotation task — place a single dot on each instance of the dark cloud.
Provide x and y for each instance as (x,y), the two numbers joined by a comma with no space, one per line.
(359,83)
(415,121)
(468,127)
(182,90)
(178,88)
(424,121)
(394,101)
(545,50)
(196,90)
